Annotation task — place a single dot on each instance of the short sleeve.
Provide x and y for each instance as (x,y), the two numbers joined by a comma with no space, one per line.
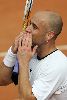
(14,76)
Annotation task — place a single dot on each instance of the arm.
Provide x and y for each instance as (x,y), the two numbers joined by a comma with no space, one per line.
(24,55)
(5,75)
(6,67)
(25,88)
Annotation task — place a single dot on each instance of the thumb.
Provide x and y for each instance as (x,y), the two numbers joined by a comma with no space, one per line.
(34,49)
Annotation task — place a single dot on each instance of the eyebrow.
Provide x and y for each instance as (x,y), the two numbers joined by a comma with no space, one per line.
(33,24)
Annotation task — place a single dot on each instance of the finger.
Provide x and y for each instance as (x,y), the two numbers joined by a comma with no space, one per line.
(34,49)
(29,39)
(20,35)
(24,40)
(28,30)
(20,42)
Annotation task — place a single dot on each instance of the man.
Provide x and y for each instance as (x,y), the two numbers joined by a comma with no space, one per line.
(42,67)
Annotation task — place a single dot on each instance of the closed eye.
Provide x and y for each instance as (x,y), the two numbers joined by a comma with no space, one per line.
(34,25)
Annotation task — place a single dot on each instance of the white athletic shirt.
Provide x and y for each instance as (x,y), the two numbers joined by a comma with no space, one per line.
(48,75)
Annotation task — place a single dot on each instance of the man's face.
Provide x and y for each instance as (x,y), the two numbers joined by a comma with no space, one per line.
(37,26)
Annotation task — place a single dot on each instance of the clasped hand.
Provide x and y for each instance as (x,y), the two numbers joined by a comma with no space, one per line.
(25,52)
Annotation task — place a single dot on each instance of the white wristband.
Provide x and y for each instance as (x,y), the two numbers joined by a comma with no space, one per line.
(10,58)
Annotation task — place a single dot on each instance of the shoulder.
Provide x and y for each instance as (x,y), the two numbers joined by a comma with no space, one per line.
(54,63)
(57,58)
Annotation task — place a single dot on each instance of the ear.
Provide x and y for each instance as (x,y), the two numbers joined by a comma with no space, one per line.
(50,34)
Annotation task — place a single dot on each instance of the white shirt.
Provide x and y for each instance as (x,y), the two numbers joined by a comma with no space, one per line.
(48,75)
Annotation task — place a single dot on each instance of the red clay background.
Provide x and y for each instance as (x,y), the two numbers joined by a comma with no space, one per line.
(11,16)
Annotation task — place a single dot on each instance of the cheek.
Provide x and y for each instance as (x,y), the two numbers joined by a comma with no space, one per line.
(37,39)
(35,35)
(35,32)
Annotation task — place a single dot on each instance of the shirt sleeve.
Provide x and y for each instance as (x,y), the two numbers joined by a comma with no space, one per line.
(16,66)
(14,76)
(46,84)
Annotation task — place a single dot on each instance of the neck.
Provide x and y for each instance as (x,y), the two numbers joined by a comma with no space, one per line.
(44,50)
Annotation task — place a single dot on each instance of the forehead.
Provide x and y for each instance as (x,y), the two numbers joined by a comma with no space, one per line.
(35,19)
(38,19)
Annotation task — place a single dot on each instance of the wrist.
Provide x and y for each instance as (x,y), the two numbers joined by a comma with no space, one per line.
(13,53)
(14,49)
(10,58)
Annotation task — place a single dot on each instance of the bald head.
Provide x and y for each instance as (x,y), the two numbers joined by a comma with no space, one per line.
(52,19)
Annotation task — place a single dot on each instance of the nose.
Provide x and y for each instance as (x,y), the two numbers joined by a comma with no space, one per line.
(29,29)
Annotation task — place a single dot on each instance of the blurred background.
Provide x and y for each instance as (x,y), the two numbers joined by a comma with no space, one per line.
(11,19)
